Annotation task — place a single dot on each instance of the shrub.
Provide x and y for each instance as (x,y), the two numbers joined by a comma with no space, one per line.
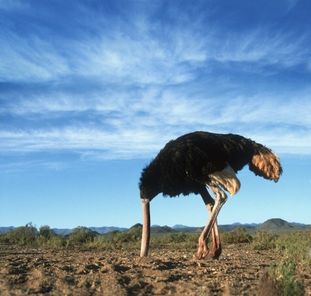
(264,240)
(23,236)
(294,248)
(236,236)
(178,237)
(80,235)
(176,240)
(102,242)
(284,274)
(295,245)
(46,232)
(55,242)
(164,239)
(132,235)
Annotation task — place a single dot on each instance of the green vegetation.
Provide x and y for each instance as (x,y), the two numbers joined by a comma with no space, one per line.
(264,240)
(236,236)
(295,246)
(48,238)
(292,247)
(46,233)
(80,236)
(285,275)
(21,236)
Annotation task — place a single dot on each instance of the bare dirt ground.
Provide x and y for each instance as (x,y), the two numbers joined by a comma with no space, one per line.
(122,272)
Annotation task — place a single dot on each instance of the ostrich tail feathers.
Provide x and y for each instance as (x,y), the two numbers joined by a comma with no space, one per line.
(266,164)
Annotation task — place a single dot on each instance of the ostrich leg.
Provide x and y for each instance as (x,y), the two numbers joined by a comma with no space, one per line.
(221,198)
(202,244)
(218,182)
(146,228)
(215,249)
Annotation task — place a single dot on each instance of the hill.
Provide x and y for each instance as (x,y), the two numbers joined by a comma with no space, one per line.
(229,227)
(276,224)
(6,229)
(271,225)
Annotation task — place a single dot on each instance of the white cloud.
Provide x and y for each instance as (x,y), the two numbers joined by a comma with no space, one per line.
(146,60)
(30,59)
(260,46)
(180,55)
(137,124)
(174,106)
(140,142)
(268,109)
(17,166)
(111,59)
(171,58)
(121,144)
(150,87)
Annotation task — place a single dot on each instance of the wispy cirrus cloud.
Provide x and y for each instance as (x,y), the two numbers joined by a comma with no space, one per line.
(137,128)
(144,56)
(120,87)
(82,140)
(262,47)
(135,143)
(21,165)
(30,59)
(190,105)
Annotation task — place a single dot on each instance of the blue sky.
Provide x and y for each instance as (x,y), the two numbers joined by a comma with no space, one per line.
(91,90)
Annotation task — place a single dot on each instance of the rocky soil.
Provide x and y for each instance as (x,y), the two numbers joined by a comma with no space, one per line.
(239,271)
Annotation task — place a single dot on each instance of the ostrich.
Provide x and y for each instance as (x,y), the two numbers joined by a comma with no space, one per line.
(197,161)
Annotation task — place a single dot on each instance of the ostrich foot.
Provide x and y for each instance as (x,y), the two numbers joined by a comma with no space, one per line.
(214,252)
(202,251)
(205,252)
(215,249)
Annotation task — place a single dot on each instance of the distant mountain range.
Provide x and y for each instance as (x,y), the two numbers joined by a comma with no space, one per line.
(277,224)
(66,231)
(271,225)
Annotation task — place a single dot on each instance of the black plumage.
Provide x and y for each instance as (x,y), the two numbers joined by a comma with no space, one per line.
(183,165)
(196,161)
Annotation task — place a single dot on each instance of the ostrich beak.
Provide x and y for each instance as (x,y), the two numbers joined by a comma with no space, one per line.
(146,228)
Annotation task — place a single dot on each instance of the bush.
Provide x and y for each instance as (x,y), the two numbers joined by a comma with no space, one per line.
(264,240)
(179,237)
(23,236)
(132,235)
(295,251)
(284,274)
(296,246)
(236,236)
(46,232)
(80,235)
(55,242)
